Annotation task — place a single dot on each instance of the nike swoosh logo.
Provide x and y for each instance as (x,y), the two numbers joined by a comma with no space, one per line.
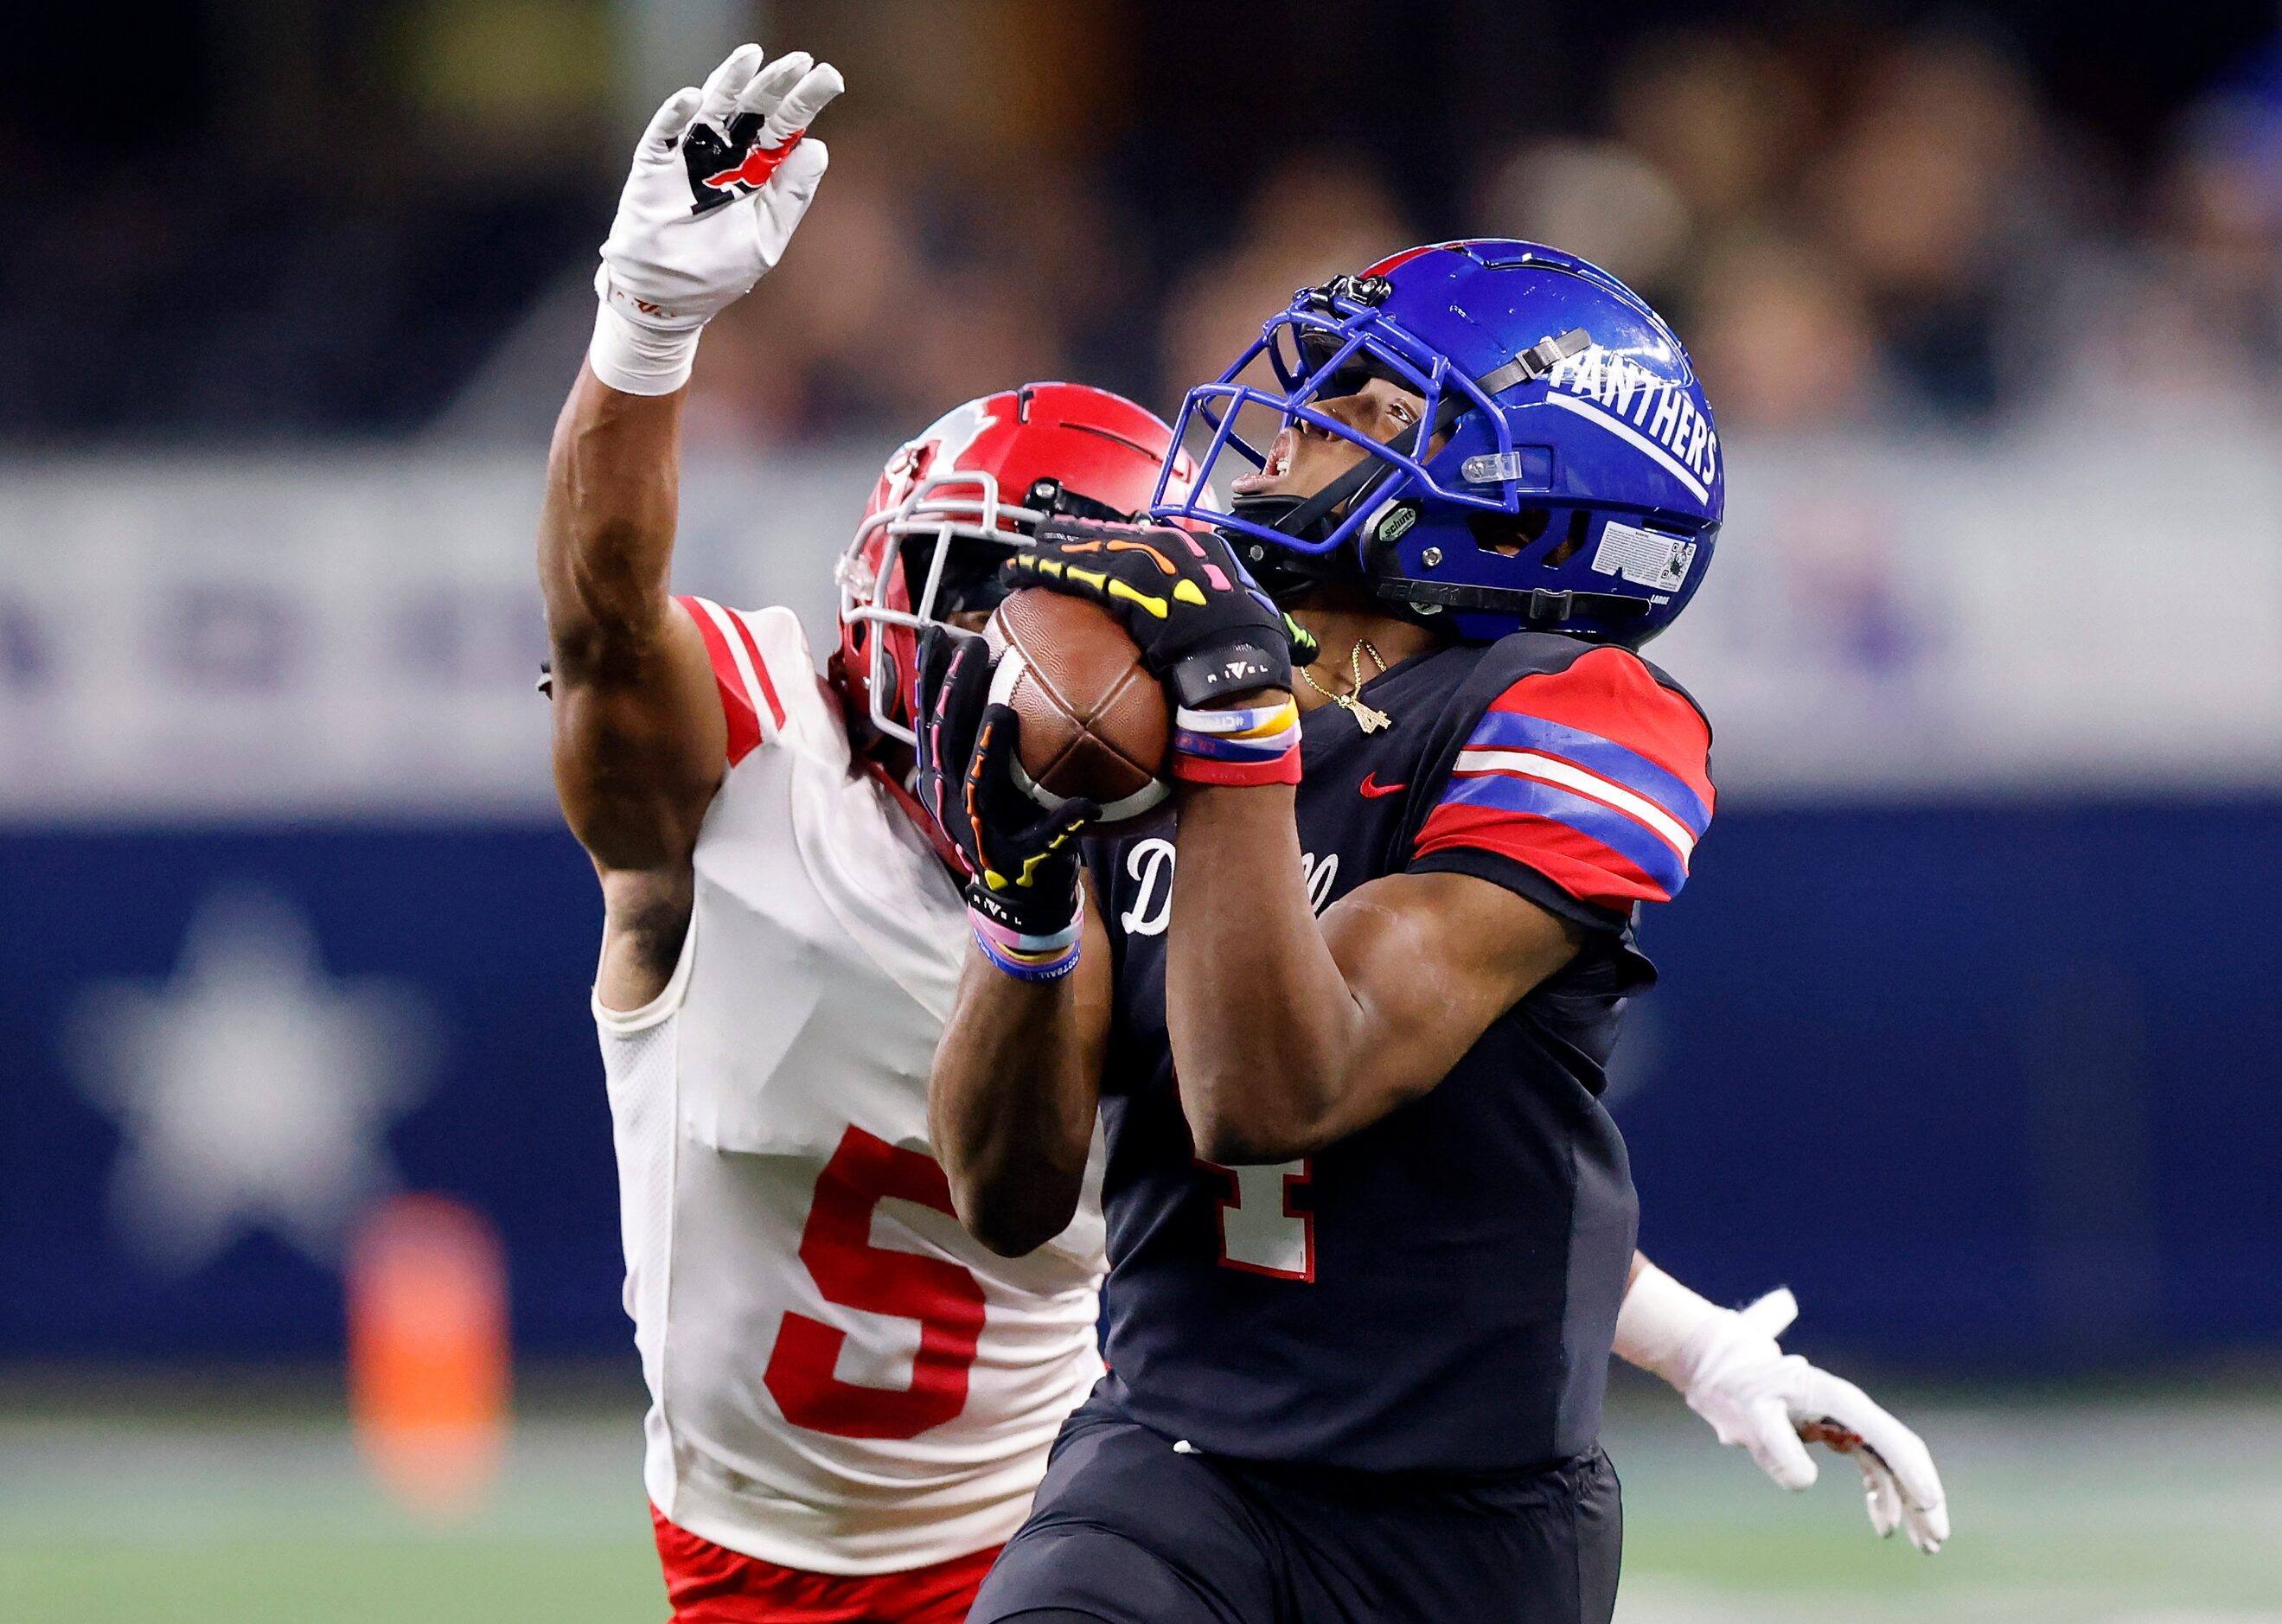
(1372,789)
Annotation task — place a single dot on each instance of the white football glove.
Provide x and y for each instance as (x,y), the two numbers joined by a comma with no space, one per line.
(1729,1368)
(721,178)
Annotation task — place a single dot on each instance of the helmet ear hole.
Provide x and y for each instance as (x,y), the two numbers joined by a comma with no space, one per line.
(1508,534)
(1580,520)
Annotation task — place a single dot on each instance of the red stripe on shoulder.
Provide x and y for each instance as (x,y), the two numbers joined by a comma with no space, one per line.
(737,710)
(760,671)
(1572,859)
(1612,693)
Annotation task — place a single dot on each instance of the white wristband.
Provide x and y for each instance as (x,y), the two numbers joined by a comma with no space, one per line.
(639,359)
(1658,1320)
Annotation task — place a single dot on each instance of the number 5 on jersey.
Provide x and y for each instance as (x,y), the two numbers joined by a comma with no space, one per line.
(1261,1231)
(837,1247)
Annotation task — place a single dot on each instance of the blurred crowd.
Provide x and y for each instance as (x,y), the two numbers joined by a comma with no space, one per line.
(1909,236)
(349,220)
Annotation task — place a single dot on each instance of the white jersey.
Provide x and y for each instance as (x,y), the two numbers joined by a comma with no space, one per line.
(842,1381)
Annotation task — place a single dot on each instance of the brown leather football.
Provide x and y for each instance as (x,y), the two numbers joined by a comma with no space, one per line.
(1095,723)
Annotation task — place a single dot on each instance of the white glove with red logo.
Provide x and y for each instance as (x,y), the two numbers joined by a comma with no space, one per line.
(720,180)
(1729,1368)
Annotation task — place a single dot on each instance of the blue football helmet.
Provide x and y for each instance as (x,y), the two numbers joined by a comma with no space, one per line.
(1577,487)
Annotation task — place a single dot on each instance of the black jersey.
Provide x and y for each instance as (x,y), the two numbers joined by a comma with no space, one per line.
(1438,1292)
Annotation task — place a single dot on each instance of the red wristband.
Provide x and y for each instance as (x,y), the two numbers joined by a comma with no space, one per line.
(1284,769)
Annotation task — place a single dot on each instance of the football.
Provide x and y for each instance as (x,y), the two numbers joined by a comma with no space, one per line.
(1095,723)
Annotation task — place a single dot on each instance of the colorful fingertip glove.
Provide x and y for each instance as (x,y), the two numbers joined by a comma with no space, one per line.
(1205,630)
(1251,744)
(1022,892)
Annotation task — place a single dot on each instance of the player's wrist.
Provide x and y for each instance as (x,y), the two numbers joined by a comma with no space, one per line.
(1025,945)
(1666,1328)
(1251,699)
(636,357)
(1238,745)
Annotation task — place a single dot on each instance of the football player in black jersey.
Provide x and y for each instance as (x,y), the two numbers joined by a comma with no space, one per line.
(1371,1230)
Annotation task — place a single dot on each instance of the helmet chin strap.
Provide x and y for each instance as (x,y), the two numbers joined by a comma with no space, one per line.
(1282,572)
(1538,606)
(1311,518)
(1271,510)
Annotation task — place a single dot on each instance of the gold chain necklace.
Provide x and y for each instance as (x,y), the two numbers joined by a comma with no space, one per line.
(1368,719)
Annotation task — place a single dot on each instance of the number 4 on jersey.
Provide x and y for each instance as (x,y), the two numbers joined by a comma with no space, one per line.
(1260,1233)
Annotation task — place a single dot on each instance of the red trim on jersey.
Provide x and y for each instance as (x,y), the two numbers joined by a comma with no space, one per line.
(1233,1201)
(736,707)
(1610,695)
(711,1584)
(1574,861)
(760,671)
(1611,692)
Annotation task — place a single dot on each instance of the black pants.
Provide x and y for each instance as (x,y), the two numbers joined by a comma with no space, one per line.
(1124,1529)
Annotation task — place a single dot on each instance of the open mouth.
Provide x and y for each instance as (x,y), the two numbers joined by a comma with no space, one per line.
(1279,463)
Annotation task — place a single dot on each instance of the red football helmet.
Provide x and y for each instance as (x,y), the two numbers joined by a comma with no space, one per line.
(954,502)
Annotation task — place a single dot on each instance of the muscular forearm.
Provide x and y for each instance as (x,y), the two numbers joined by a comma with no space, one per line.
(1265,1025)
(1011,1102)
(638,736)
(1289,1031)
(606,529)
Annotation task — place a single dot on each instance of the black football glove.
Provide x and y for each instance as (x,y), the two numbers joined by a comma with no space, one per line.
(1022,860)
(1205,630)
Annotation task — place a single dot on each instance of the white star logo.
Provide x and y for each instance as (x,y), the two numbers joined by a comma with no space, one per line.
(252,1090)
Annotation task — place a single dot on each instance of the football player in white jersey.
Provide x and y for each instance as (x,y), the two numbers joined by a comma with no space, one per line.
(852,1400)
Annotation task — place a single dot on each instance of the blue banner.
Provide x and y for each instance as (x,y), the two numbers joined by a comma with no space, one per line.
(222,1043)
(1992,1086)
(1989,1087)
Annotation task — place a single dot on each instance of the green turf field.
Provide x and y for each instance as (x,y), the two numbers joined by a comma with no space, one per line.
(2151,1511)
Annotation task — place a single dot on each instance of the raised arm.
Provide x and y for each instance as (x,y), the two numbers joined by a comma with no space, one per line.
(720,180)
(639,736)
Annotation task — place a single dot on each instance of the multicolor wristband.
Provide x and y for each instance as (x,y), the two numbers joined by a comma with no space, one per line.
(1029,958)
(1251,744)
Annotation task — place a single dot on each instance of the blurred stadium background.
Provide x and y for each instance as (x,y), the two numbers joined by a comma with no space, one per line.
(1969,1031)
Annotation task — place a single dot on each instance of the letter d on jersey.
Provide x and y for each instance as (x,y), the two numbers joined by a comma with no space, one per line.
(1149,865)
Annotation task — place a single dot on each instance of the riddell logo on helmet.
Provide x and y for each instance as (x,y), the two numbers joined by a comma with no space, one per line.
(1659,417)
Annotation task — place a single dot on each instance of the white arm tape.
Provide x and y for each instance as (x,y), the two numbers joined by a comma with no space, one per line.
(637,360)
(1659,1319)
